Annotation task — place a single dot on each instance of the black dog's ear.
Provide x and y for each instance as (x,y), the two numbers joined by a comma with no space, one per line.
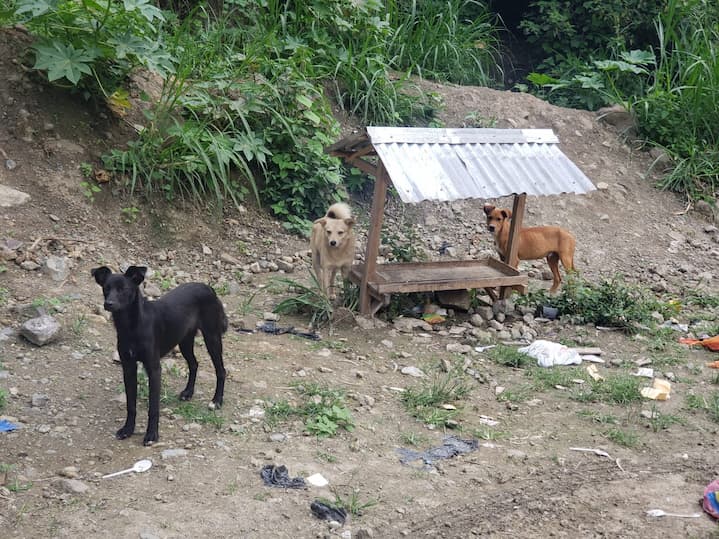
(488,208)
(136,274)
(101,274)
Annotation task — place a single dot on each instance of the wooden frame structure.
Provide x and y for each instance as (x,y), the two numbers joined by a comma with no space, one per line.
(378,281)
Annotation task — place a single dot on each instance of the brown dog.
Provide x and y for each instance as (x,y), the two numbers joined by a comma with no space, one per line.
(333,245)
(552,242)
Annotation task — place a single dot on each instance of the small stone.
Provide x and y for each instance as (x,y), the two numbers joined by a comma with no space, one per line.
(173,453)
(412,371)
(74,486)
(206,250)
(40,330)
(70,472)
(39,400)
(271,317)
(278,437)
(285,266)
(58,268)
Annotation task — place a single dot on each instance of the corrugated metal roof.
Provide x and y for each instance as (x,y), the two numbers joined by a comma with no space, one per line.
(451,164)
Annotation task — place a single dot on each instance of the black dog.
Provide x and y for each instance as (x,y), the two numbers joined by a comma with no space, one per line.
(147,330)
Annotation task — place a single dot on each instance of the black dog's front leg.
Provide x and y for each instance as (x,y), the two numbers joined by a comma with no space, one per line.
(129,377)
(153,416)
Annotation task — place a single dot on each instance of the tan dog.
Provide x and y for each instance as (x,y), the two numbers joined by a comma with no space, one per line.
(552,242)
(333,245)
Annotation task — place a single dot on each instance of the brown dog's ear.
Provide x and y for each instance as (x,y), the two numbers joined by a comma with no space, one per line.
(507,214)
(488,208)
(101,274)
(136,274)
(349,222)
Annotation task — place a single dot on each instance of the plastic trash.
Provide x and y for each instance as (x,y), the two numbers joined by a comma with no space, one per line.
(7,426)
(662,513)
(549,354)
(594,373)
(325,511)
(278,476)
(710,501)
(598,452)
(659,391)
(451,447)
(139,467)
(317,480)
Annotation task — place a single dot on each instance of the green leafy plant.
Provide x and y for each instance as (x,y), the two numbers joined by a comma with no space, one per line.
(351,503)
(89,189)
(323,409)
(129,214)
(95,44)
(622,437)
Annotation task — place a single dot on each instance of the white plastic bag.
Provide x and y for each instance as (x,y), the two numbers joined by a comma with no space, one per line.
(549,354)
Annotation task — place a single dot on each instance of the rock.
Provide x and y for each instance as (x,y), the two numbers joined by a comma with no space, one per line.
(10,164)
(486,312)
(619,117)
(283,265)
(662,160)
(364,533)
(278,437)
(705,208)
(412,371)
(29,265)
(476,320)
(40,330)
(602,186)
(39,400)
(152,290)
(407,325)
(63,147)
(149,535)
(270,316)
(58,268)
(255,268)
(229,259)
(458,299)
(10,197)
(74,486)
(70,472)
(173,453)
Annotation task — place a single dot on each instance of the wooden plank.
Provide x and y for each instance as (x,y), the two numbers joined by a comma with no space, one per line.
(364,166)
(513,244)
(347,142)
(373,236)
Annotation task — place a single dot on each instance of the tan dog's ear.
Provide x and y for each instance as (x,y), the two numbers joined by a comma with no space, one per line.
(321,221)
(488,208)
(349,222)
(507,214)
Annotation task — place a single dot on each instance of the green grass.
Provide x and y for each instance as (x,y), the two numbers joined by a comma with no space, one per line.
(516,394)
(548,378)
(352,503)
(488,433)
(413,438)
(198,413)
(3,399)
(620,388)
(322,409)
(622,437)
(4,296)
(598,417)
(509,356)
(425,401)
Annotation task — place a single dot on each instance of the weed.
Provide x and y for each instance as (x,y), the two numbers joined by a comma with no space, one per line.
(221,289)
(198,413)
(4,296)
(548,378)
(616,389)
(89,189)
(430,402)
(413,438)
(622,437)
(659,421)
(167,283)
(308,299)
(488,433)
(351,503)
(508,356)
(323,410)
(262,496)
(3,399)
(79,325)
(515,395)
(86,170)
(3,269)
(130,214)
(602,419)
(326,457)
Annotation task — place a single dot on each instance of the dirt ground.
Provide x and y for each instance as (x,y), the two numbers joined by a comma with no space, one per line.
(523,480)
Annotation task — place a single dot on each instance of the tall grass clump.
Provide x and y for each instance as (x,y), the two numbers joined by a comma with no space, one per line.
(450,40)
(680,112)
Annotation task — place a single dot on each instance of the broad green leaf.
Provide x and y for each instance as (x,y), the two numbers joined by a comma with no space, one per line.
(612,65)
(147,10)
(304,100)
(127,44)
(63,61)
(639,57)
(36,7)
(312,117)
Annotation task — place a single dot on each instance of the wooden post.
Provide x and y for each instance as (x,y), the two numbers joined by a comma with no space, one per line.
(513,243)
(373,237)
